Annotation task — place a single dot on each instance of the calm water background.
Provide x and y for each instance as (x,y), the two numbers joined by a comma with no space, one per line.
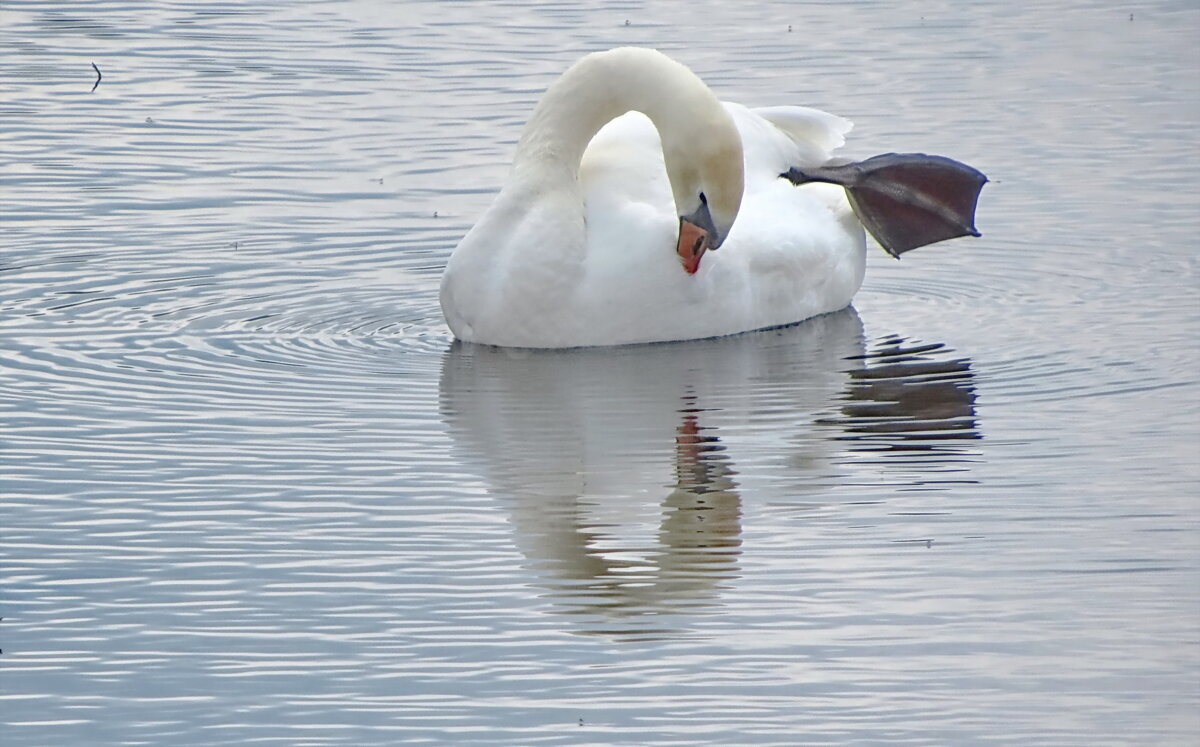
(251,493)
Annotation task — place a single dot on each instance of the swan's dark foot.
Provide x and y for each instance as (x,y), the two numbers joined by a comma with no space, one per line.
(906,200)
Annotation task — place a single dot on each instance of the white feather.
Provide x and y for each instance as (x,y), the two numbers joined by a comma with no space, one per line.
(583,253)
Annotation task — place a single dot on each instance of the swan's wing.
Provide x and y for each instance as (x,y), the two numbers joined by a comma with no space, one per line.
(813,126)
(778,138)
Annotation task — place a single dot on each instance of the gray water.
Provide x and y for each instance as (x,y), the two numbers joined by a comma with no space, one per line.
(252,493)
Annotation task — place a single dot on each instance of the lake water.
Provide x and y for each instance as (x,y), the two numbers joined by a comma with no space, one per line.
(252,493)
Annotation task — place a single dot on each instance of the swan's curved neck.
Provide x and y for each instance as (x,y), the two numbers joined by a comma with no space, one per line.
(605,85)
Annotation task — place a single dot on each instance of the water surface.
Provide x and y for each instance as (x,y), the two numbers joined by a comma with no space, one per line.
(253,492)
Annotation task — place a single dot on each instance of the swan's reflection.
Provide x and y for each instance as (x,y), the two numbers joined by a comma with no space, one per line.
(618,464)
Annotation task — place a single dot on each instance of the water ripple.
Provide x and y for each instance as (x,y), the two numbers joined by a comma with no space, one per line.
(252,491)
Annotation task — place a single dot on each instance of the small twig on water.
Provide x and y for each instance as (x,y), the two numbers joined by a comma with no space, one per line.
(98,77)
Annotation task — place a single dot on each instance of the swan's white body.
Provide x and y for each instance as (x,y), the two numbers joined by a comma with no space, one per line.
(578,248)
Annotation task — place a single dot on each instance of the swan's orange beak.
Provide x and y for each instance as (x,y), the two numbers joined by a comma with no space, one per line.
(693,242)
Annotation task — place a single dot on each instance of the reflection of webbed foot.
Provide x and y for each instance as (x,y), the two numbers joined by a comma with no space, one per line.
(906,200)
(910,399)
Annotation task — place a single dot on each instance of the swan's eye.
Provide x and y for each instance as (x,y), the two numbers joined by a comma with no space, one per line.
(703,199)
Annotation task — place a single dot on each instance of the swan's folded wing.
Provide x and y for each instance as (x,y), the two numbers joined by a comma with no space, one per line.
(776,139)
(812,126)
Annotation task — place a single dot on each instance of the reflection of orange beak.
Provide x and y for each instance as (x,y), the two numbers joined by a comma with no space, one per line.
(693,242)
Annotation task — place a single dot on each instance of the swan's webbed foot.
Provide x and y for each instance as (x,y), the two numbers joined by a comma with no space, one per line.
(906,200)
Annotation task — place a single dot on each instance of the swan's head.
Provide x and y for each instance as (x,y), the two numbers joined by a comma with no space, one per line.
(705,170)
(698,233)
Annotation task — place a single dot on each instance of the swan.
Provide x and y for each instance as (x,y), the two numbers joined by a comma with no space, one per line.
(639,208)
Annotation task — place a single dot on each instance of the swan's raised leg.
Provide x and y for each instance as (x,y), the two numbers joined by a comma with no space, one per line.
(906,200)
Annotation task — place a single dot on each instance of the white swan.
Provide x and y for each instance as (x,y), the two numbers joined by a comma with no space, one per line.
(627,172)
